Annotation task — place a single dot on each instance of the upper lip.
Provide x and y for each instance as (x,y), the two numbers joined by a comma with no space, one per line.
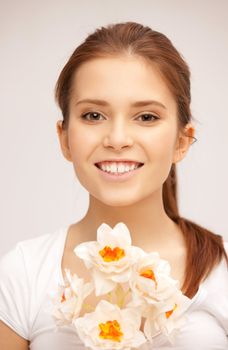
(118,160)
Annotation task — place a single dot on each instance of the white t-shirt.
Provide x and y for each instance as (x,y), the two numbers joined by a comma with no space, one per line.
(32,270)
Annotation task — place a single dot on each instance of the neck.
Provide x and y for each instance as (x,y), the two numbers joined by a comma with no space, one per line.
(149,225)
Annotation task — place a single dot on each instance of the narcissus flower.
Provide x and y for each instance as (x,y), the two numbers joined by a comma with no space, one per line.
(68,302)
(150,281)
(110,258)
(168,318)
(110,327)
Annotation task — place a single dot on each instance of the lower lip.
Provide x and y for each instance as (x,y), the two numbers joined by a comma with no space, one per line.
(118,177)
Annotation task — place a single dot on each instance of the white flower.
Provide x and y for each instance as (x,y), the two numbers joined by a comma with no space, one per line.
(150,281)
(68,302)
(110,257)
(110,327)
(168,317)
(155,295)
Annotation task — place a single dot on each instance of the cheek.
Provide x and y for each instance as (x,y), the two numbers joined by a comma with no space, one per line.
(160,147)
(81,143)
(160,143)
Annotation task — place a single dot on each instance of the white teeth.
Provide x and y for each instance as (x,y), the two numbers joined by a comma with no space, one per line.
(121,168)
(118,167)
(113,168)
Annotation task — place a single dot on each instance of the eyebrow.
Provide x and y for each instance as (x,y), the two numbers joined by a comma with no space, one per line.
(135,104)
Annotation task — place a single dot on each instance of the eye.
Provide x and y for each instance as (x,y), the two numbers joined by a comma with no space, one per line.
(147,117)
(95,116)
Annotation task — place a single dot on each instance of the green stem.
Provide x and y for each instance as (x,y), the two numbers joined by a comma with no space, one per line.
(128,291)
(122,301)
(109,297)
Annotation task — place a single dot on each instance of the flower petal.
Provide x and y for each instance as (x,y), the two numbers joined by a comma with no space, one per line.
(103,285)
(123,234)
(84,252)
(103,232)
(119,236)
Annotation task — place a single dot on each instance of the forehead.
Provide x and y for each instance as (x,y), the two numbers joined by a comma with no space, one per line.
(121,79)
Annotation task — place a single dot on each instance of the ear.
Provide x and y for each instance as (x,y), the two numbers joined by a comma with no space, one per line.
(63,140)
(184,141)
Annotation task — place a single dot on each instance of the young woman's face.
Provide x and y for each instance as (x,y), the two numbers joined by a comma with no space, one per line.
(120,129)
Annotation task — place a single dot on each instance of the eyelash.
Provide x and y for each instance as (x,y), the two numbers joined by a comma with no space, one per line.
(83,116)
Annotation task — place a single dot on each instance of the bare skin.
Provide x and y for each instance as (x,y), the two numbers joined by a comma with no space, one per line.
(9,340)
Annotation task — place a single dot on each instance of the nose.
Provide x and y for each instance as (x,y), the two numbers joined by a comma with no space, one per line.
(117,136)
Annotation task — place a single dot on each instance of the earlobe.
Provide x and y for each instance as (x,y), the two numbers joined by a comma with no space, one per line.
(63,139)
(183,143)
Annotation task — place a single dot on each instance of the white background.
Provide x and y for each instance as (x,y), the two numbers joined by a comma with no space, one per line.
(39,190)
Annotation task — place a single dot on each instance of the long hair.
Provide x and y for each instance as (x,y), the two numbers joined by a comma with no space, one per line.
(205,249)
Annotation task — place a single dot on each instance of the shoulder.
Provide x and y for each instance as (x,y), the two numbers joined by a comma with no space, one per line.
(216,291)
(25,272)
(226,246)
(219,275)
(26,255)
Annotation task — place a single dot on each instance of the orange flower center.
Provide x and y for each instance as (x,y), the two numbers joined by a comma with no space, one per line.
(149,274)
(169,313)
(110,330)
(108,254)
(63,298)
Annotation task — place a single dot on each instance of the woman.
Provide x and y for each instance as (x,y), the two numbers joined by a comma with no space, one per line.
(125,99)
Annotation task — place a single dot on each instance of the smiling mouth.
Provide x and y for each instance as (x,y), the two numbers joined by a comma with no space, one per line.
(118,171)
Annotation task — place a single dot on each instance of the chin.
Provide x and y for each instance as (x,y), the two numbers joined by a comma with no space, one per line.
(117,201)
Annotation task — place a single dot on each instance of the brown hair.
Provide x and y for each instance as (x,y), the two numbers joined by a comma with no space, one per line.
(205,249)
